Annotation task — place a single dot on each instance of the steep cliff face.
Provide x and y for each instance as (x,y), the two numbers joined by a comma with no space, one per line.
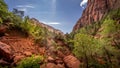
(95,11)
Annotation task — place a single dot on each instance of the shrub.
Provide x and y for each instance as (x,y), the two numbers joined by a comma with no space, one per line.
(84,44)
(4,13)
(85,47)
(109,27)
(31,62)
(4,67)
(90,29)
(1,21)
(90,50)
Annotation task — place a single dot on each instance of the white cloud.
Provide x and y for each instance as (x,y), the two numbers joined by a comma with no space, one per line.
(51,23)
(83,3)
(25,6)
(22,9)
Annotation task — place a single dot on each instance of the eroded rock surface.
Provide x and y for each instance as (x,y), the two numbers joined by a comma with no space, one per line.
(71,61)
(95,11)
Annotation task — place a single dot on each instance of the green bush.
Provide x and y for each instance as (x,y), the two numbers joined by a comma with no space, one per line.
(3,10)
(109,27)
(88,49)
(4,67)
(29,28)
(84,44)
(31,62)
(90,29)
(3,6)
(1,21)
(85,47)
(114,14)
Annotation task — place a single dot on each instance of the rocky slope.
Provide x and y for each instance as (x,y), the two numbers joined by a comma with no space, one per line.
(15,46)
(95,11)
(50,28)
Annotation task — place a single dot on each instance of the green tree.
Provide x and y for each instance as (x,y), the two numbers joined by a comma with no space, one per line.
(109,27)
(85,47)
(3,9)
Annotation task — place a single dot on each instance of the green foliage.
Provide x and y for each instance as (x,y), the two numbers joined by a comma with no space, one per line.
(110,31)
(15,21)
(31,62)
(85,45)
(26,25)
(3,7)
(89,50)
(86,48)
(30,28)
(109,27)
(90,29)
(3,10)
(1,21)
(114,14)
(69,40)
(4,67)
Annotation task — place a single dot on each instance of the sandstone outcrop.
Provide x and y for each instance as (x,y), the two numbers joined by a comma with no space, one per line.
(71,61)
(5,51)
(95,11)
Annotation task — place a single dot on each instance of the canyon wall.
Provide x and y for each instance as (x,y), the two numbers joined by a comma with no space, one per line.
(95,11)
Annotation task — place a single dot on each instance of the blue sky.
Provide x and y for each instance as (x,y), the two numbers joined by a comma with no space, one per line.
(61,14)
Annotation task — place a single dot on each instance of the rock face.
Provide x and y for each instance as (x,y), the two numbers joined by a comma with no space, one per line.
(71,61)
(52,65)
(95,11)
(5,51)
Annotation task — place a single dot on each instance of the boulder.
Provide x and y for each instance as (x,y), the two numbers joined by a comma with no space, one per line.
(50,59)
(26,53)
(60,66)
(60,54)
(58,60)
(3,62)
(48,65)
(18,58)
(52,65)
(71,61)
(5,51)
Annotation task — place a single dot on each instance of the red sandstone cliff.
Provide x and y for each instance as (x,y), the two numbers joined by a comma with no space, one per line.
(95,11)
